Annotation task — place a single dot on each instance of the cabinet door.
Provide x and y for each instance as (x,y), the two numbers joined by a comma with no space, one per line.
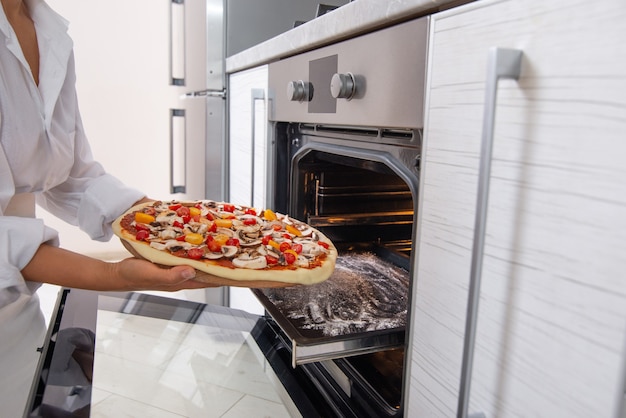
(552,312)
(124,69)
(248,137)
(247,155)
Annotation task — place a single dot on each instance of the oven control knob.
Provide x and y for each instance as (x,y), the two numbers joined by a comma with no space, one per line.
(343,86)
(298,91)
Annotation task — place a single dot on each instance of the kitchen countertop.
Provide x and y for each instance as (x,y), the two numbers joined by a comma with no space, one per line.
(352,19)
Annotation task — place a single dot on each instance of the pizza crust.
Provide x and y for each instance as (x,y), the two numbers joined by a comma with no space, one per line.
(235,276)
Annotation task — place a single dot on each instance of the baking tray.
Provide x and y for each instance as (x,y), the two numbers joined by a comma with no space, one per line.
(361,308)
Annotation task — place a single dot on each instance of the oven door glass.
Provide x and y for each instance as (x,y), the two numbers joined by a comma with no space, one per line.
(153,356)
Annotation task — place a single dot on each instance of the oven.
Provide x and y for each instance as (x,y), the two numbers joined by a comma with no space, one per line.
(346,123)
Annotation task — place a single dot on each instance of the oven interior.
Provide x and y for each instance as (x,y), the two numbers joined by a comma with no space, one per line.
(346,336)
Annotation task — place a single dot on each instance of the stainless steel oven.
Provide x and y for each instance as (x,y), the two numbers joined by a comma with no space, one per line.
(347,121)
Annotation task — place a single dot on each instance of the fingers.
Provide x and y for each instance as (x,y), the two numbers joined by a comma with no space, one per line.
(143,275)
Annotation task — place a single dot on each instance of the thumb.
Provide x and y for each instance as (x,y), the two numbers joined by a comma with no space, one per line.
(183,273)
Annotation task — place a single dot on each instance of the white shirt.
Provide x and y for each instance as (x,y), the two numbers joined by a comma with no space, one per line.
(44,155)
(43,148)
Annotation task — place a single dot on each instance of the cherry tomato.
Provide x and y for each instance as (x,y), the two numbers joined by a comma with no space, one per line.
(210,217)
(289,258)
(186,219)
(213,227)
(181,238)
(276,227)
(229,208)
(266,239)
(195,253)
(213,245)
(271,260)
(249,221)
(175,207)
(284,246)
(233,242)
(182,211)
(142,235)
(177,224)
(297,248)
(250,211)
(140,227)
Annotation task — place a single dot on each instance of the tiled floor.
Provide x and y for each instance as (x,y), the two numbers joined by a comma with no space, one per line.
(153,367)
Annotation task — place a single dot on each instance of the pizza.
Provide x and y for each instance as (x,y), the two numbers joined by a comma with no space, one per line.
(245,246)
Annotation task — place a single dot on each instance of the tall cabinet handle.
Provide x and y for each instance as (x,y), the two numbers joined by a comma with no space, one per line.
(177,43)
(178,151)
(257,94)
(502,63)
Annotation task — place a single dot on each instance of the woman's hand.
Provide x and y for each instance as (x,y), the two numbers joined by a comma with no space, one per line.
(143,275)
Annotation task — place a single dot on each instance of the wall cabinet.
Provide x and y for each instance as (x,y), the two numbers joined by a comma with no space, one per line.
(247,154)
(552,314)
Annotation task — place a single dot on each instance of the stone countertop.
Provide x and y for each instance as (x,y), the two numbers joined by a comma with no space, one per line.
(352,19)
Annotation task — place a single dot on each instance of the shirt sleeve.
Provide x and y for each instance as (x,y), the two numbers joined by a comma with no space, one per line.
(89,197)
(20,237)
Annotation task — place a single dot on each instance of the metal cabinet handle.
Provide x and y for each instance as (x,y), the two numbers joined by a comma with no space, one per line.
(177,43)
(257,94)
(178,151)
(502,63)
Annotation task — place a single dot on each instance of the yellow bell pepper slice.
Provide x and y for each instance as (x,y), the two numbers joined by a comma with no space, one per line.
(224,223)
(221,238)
(293,230)
(144,218)
(274,244)
(269,215)
(193,238)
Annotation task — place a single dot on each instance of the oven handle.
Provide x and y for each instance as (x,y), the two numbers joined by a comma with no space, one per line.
(257,94)
(502,64)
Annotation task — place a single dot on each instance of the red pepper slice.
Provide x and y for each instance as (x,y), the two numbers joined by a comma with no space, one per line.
(271,260)
(175,207)
(323,244)
(250,211)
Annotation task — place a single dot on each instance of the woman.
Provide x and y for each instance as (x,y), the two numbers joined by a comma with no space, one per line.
(45,159)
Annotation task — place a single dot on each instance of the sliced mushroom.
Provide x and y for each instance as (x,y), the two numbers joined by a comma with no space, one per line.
(213,256)
(246,241)
(229,251)
(165,217)
(225,231)
(244,261)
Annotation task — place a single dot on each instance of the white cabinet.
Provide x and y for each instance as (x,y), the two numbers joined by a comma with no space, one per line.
(124,70)
(552,313)
(247,137)
(248,154)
